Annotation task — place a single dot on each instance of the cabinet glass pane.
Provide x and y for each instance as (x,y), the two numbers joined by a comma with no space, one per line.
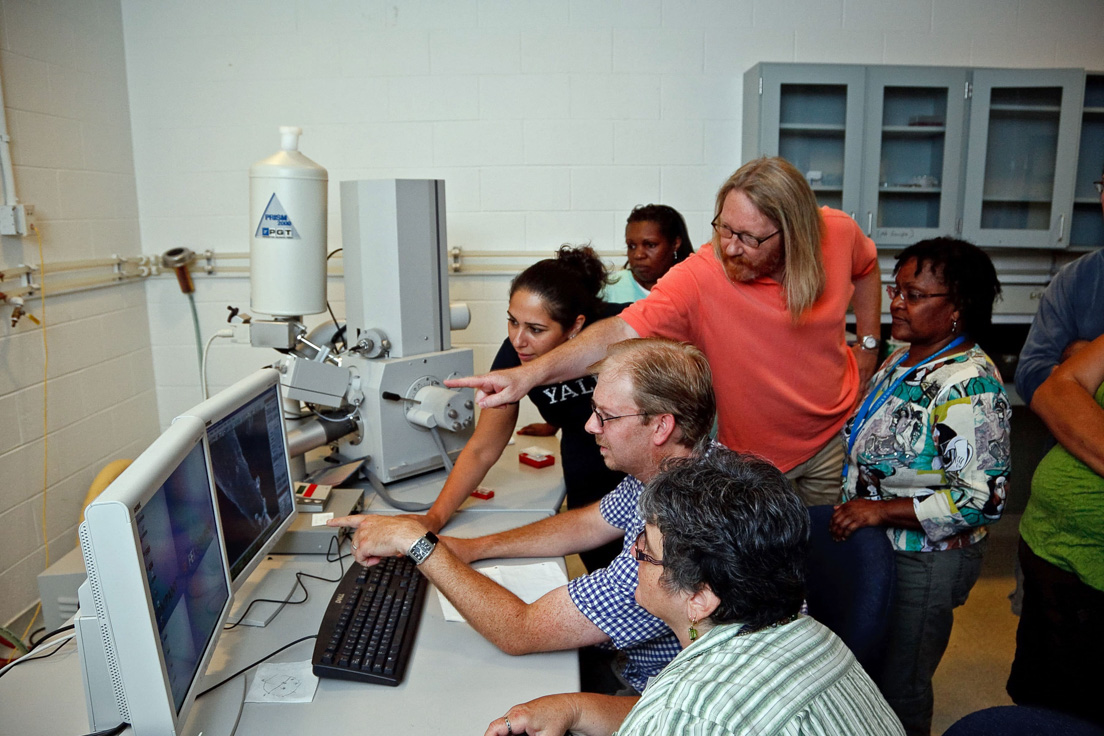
(1087,227)
(1020,158)
(812,133)
(913,135)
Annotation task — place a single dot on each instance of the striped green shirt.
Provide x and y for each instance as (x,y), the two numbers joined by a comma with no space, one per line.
(795,679)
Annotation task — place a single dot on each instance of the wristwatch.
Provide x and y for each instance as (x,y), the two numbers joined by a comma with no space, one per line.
(422,548)
(868,342)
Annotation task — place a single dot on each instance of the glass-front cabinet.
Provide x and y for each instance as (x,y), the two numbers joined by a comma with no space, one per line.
(913,152)
(812,116)
(1087,229)
(990,155)
(1022,156)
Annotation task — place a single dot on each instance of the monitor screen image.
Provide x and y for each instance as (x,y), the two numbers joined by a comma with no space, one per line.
(256,500)
(184,574)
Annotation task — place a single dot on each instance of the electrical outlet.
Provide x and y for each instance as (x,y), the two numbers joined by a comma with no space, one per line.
(16,219)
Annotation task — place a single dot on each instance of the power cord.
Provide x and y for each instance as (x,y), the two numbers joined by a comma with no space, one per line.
(330,557)
(30,656)
(259,661)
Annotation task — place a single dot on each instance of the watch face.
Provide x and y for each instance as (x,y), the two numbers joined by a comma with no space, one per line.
(870,342)
(420,550)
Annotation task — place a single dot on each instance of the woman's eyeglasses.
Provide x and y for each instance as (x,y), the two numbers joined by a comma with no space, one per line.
(911,297)
(641,555)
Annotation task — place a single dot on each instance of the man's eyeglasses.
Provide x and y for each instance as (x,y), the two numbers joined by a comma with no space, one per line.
(1099,186)
(911,297)
(641,555)
(747,239)
(602,420)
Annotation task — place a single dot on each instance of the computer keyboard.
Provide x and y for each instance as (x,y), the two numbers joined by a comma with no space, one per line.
(368,630)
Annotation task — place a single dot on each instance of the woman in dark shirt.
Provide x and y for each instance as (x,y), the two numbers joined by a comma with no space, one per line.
(550,303)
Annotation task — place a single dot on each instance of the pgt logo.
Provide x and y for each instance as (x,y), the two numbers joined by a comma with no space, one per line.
(277,232)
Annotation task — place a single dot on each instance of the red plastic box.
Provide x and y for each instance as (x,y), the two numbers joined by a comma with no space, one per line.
(536,462)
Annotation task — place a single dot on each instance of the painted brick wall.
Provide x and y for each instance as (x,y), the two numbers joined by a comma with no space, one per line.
(65,94)
(548,120)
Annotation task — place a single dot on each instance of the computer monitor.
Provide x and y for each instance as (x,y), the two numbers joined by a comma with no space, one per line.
(158,588)
(249,456)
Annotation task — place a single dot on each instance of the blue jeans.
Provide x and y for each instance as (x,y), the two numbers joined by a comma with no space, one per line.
(930,585)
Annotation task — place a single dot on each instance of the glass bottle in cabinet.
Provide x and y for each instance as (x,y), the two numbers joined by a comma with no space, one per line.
(1022,155)
(913,138)
(811,115)
(1087,228)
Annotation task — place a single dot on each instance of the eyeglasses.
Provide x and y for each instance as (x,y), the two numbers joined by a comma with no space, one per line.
(602,420)
(1099,186)
(911,297)
(642,556)
(747,239)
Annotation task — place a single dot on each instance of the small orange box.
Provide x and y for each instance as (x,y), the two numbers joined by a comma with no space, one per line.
(536,462)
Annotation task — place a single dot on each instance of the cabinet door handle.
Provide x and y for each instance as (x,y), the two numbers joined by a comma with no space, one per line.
(1061,227)
(869,223)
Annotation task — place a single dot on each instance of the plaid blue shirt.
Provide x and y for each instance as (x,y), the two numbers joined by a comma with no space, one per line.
(607,596)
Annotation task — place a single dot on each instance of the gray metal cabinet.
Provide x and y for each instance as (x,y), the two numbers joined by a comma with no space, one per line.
(912,157)
(910,153)
(811,115)
(1022,156)
(1087,228)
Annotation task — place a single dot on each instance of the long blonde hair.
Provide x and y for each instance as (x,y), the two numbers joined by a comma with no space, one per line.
(781,193)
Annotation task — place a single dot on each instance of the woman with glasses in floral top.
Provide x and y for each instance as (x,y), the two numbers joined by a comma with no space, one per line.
(928,458)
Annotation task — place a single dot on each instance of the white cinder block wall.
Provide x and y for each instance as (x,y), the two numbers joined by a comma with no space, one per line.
(65,94)
(548,120)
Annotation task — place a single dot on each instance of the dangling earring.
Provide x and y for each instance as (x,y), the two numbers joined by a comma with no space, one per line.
(954,327)
(692,631)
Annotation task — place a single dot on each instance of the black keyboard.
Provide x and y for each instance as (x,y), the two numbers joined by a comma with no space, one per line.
(368,630)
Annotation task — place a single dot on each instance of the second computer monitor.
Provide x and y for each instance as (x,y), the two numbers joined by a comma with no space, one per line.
(249,457)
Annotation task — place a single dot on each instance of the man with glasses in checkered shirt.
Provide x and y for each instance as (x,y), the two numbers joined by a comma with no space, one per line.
(653,401)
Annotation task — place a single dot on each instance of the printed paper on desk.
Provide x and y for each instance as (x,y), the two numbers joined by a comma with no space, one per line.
(528,582)
(283,682)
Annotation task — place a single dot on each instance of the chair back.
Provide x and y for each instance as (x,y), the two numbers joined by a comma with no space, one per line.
(850,586)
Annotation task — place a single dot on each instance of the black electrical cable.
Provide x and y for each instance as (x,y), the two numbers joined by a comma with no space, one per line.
(28,658)
(109,731)
(259,661)
(36,632)
(340,327)
(298,584)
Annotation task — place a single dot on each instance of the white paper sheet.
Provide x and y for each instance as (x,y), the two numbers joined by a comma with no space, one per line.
(528,582)
(283,682)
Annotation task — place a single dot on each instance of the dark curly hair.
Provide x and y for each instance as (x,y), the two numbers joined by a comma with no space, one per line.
(966,272)
(671,224)
(732,522)
(568,284)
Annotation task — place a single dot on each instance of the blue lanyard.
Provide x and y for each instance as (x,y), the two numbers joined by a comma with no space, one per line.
(874,400)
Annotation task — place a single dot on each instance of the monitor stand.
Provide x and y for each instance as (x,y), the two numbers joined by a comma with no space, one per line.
(276,584)
(216,713)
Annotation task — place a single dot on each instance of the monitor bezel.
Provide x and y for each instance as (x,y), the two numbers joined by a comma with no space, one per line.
(124,607)
(217,408)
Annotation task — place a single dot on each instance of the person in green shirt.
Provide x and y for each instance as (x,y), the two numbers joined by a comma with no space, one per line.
(1060,640)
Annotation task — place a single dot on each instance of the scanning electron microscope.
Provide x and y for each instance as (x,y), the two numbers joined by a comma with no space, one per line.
(375,387)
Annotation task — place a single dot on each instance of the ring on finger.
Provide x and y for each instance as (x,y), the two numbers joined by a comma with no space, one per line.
(509,731)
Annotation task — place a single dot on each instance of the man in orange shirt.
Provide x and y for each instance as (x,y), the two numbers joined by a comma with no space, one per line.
(766,302)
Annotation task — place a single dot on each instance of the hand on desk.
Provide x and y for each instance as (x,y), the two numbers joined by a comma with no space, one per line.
(376,537)
(553,714)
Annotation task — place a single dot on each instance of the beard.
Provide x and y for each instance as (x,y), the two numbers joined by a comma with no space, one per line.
(740,269)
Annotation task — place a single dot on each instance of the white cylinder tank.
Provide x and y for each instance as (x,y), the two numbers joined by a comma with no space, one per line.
(287,213)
